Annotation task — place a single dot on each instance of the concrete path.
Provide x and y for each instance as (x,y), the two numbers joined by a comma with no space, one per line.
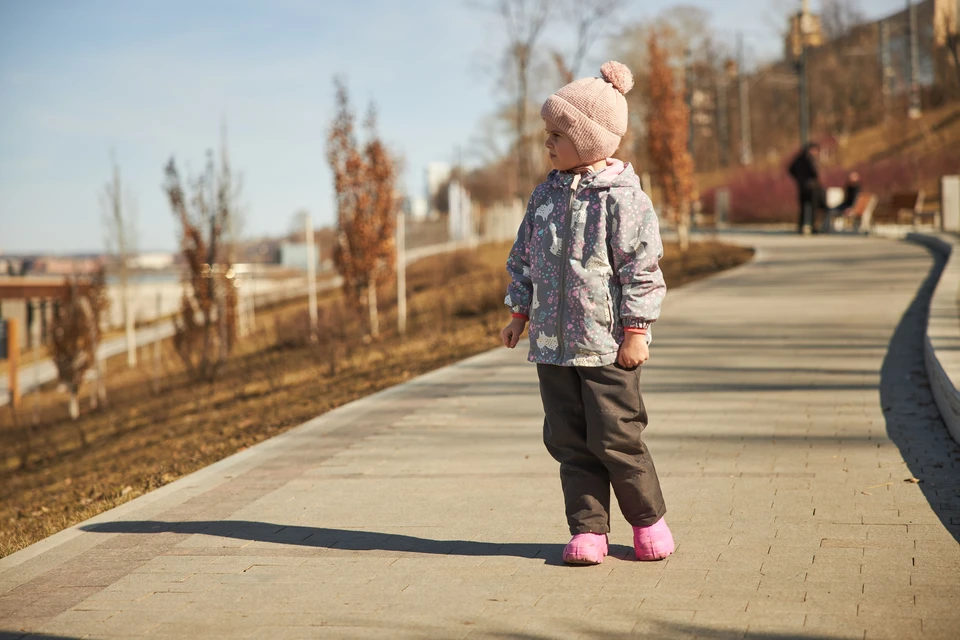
(788,405)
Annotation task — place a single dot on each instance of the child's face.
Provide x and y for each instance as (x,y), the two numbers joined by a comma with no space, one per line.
(563,155)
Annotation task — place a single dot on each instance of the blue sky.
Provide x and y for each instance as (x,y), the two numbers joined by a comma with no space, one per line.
(150,80)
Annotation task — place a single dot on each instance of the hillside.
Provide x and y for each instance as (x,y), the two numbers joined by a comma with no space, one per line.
(900,155)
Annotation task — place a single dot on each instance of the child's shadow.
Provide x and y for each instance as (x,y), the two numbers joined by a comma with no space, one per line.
(345,539)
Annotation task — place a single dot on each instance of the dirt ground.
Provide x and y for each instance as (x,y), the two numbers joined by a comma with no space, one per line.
(159,425)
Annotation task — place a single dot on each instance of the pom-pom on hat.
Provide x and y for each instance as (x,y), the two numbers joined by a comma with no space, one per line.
(592,112)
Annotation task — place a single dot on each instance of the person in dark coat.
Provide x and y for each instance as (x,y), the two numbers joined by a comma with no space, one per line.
(804,171)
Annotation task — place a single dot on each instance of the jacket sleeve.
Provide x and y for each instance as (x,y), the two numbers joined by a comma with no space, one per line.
(520,289)
(794,169)
(636,249)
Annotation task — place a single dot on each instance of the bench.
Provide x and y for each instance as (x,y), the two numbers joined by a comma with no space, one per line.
(860,215)
(906,206)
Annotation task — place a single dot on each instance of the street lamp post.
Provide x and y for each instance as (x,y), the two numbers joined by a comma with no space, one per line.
(804,102)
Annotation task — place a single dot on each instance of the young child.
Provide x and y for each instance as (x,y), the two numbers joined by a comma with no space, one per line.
(585,274)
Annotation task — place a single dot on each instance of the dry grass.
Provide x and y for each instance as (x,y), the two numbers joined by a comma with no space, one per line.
(149,436)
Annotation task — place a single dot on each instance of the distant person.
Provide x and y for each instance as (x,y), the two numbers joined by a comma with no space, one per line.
(585,273)
(804,171)
(851,191)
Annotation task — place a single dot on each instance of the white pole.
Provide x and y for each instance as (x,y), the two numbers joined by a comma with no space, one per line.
(311,275)
(252,300)
(401,275)
(156,344)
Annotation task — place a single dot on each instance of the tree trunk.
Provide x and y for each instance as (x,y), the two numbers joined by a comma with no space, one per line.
(128,321)
(523,173)
(156,349)
(372,305)
(98,394)
(222,324)
(74,404)
(683,228)
(101,384)
(953,43)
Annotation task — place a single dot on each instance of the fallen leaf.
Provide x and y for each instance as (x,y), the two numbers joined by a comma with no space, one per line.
(913,480)
(127,489)
(866,493)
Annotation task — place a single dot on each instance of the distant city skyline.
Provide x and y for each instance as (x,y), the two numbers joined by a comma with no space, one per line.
(150,81)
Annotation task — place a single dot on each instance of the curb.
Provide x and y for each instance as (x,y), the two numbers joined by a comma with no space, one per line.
(942,340)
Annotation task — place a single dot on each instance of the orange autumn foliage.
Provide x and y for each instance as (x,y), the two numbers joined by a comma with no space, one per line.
(668,126)
(365,185)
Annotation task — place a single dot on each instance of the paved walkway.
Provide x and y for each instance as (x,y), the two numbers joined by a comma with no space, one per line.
(788,405)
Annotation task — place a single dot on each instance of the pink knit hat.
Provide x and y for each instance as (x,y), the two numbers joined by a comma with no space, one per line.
(592,112)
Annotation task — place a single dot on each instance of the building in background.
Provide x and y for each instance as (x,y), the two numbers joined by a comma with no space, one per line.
(417,208)
(460,224)
(294,256)
(155,260)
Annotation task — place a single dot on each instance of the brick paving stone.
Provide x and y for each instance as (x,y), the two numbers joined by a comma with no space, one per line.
(431,510)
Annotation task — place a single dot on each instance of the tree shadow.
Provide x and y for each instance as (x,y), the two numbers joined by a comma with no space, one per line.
(345,539)
(26,635)
(485,629)
(913,420)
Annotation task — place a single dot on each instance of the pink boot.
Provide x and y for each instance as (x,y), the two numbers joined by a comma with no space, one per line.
(654,542)
(586,548)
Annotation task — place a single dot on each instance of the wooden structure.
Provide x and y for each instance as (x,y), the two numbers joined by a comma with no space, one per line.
(33,292)
(30,287)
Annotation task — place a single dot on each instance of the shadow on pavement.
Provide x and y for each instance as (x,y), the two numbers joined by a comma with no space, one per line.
(913,419)
(345,539)
(646,628)
(25,635)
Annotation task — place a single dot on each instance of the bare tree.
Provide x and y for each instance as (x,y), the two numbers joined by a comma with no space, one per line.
(524,22)
(122,241)
(947,32)
(587,18)
(838,17)
(365,186)
(205,328)
(75,335)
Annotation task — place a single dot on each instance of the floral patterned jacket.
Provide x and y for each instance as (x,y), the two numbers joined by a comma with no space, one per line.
(585,265)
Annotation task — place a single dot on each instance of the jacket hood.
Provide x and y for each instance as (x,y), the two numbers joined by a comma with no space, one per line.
(615,174)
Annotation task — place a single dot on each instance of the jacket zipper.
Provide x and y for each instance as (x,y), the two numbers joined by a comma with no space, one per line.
(563,265)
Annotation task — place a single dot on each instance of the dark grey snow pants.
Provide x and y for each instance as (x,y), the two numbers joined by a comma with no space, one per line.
(594,418)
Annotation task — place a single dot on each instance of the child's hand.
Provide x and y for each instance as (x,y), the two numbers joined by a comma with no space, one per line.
(633,351)
(511,333)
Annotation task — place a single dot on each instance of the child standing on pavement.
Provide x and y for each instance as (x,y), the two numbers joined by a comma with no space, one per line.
(585,274)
